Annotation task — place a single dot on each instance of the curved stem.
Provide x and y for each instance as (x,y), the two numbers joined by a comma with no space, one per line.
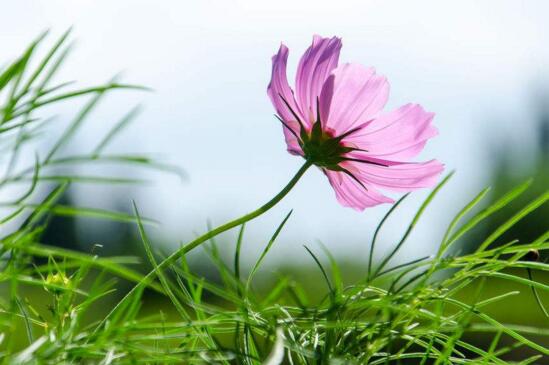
(236,222)
(214,232)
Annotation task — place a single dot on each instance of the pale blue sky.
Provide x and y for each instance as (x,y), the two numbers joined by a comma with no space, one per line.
(475,64)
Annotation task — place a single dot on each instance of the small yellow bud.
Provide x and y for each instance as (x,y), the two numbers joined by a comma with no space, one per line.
(58,279)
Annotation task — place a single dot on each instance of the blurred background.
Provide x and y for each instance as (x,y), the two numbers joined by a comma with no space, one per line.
(482,67)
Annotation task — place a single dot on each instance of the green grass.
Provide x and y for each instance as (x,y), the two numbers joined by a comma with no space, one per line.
(59,306)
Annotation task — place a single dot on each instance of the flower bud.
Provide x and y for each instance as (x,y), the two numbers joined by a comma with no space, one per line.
(532,256)
(57,279)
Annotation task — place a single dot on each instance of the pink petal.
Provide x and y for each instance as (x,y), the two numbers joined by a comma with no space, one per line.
(352,94)
(314,68)
(398,135)
(280,93)
(350,193)
(397,177)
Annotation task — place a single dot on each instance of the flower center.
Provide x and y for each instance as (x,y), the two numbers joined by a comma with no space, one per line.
(322,148)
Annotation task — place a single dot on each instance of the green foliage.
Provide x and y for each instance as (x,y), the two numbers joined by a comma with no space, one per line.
(60,306)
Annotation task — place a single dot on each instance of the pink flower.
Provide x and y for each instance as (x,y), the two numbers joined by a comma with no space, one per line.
(335,120)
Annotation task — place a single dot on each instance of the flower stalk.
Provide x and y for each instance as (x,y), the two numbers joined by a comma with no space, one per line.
(237,222)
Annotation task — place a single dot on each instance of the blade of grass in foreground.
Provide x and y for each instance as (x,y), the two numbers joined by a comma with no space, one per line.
(514,219)
(378,228)
(485,213)
(70,211)
(266,250)
(499,326)
(109,264)
(410,228)
(163,280)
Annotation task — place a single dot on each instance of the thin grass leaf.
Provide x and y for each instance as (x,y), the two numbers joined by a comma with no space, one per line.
(27,108)
(336,272)
(28,325)
(33,185)
(317,261)
(45,61)
(129,159)
(75,124)
(422,208)
(163,280)
(466,209)
(536,295)
(517,279)
(11,216)
(536,203)
(80,179)
(17,67)
(500,327)
(70,211)
(405,265)
(266,250)
(13,126)
(112,265)
(47,204)
(485,213)
(237,252)
(376,232)
(116,129)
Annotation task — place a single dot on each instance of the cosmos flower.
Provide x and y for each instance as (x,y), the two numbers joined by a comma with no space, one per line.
(335,120)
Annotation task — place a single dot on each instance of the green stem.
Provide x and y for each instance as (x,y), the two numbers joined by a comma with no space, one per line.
(214,232)
(237,222)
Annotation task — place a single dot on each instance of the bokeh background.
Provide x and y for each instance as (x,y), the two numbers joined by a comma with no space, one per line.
(483,67)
